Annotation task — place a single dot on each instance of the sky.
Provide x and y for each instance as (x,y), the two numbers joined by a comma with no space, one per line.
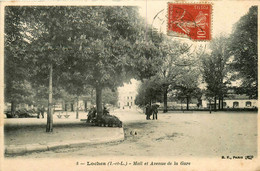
(224,15)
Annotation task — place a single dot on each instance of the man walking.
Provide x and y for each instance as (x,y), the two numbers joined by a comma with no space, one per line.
(42,111)
(38,112)
(155,111)
(148,111)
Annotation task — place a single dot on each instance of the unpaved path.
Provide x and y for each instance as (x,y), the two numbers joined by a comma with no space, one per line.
(175,134)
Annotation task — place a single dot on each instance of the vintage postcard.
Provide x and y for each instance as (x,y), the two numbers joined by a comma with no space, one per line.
(129,85)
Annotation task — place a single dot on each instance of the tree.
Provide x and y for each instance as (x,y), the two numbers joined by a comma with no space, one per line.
(147,59)
(148,56)
(110,96)
(216,67)
(17,87)
(165,63)
(149,91)
(243,46)
(105,56)
(187,85)
(74,87)
(48,47)
(176,56)
(45,30)
(93,45)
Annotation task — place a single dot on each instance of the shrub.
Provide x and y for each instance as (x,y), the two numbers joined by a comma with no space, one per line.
(108,120)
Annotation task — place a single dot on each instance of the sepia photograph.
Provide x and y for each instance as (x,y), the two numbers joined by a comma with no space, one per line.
(129,85)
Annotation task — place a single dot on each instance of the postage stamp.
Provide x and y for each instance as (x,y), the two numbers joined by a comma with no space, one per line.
(190,20)
(129,85)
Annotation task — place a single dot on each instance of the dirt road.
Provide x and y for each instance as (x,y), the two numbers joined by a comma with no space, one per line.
(175,134)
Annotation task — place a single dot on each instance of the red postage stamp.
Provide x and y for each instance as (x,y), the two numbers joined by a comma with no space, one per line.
(190,20)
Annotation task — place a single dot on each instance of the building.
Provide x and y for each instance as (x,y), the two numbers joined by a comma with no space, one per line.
(234,101)
(127,95)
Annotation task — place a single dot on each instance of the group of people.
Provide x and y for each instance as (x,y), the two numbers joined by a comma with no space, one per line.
(151,110)
(92,114)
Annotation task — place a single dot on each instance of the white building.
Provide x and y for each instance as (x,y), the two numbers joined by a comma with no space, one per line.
(240,103)
(127,95)
(234,101)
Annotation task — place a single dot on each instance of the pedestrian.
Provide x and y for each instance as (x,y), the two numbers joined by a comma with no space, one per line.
(92,114)
(42,111)
(148,111)
(105,111)
(38,112)
(155,111)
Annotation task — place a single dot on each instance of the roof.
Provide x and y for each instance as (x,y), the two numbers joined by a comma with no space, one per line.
(234,97)
(238,97)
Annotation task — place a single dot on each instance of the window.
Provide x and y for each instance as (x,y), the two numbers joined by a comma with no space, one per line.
(127,97)
(127,103)
(224,104)
(248,104)
(131,97)
(235,104)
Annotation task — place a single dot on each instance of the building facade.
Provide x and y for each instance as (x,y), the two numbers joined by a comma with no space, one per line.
(127,95)
(234,101)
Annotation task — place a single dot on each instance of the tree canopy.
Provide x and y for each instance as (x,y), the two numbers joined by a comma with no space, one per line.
(70,47)
(243,46)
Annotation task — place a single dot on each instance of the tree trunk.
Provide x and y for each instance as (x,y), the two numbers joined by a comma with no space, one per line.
(215,103)
(92,96)
(77,108)
(222,100)
(187,103)
(219,103)
(99,100)
(72,107)
(165,92)
(86,106)
(13,107)
(181,106)
(50,111)
(66,106)
(209,106)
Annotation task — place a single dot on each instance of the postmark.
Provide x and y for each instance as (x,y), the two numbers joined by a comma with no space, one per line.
(190,21)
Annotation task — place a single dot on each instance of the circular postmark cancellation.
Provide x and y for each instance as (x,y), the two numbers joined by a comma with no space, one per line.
(189,20)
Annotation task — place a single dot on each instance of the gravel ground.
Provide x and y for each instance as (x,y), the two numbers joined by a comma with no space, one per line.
(193,134)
